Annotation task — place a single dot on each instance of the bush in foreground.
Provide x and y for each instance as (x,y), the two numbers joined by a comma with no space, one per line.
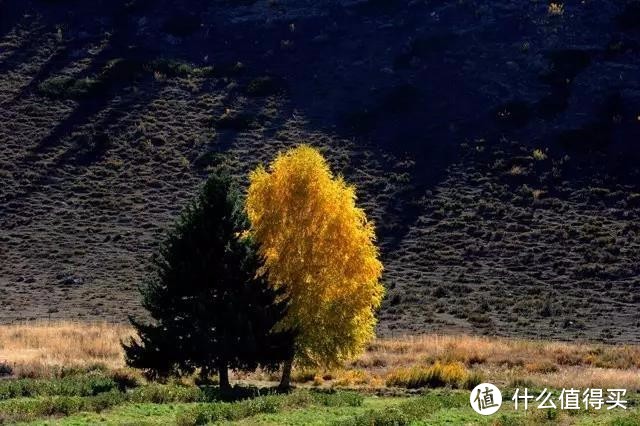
(453,374)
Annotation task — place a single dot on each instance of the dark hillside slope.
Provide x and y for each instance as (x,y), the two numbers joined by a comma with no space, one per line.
(494,143)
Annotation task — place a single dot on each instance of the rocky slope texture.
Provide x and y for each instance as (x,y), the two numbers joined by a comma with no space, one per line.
(495,145)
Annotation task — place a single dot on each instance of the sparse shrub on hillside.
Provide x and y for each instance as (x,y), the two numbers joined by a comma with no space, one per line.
(517,171)
(174,68)
(539,155)
(66,87)
(555,9)
(117,70)
(479,318)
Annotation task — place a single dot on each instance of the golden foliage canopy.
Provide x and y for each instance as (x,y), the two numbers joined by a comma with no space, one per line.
(320,248)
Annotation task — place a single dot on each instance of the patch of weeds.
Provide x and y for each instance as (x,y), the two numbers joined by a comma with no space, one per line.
(451,374)
(175,68)
(543,367)
(411,411)
(440,292)
(164,394)
(26,409)
(539,155)
(478,318)
(472,380)
(555,9)
(391,416)
(67,386)
(338,399)
(68,87)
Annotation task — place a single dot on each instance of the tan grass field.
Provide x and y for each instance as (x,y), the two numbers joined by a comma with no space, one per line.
(48,349)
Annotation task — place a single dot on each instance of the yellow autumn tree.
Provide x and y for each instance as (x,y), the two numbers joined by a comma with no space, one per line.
(319,248)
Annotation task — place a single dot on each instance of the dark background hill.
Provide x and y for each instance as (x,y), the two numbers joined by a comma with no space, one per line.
(494,143)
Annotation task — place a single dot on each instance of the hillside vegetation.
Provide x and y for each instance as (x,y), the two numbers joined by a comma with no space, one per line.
(492,144)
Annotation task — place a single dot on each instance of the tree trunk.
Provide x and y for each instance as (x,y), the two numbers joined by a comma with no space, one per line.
(285,382)
(223,373)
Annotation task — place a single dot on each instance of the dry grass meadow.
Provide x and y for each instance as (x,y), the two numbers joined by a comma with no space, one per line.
(54,349)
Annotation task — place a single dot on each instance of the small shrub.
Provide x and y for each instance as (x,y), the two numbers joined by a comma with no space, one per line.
(452,374)
(479,318)
(173,68)
(67,87)
(5,369)
(338,399)
(517,171)
(539,155)
(544,367)
(351,377)
(555,9)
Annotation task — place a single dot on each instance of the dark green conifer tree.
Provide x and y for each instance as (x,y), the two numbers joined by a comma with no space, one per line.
(210,311)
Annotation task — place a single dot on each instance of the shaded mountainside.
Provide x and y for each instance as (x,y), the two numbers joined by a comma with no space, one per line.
(495,145)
